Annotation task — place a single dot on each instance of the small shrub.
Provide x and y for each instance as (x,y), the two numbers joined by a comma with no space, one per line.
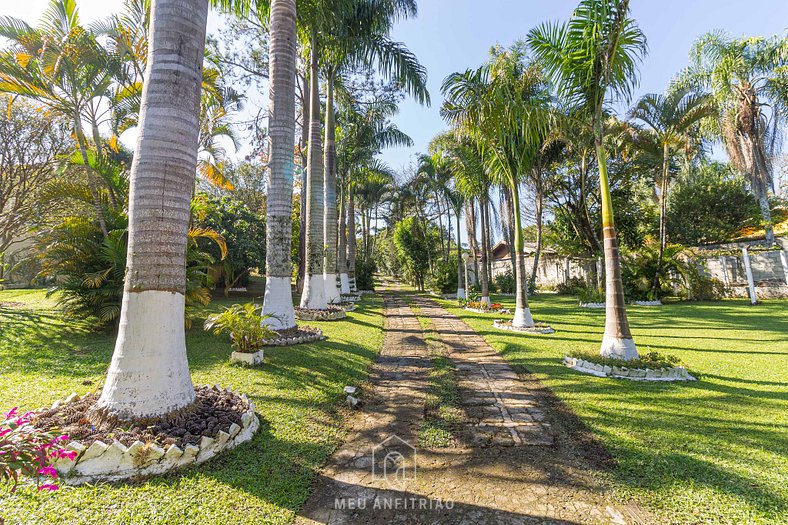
(706,289)
(505,282)
(652,360)
(245,326)
(591,294)
(444,277)
(572,286)
(29,451)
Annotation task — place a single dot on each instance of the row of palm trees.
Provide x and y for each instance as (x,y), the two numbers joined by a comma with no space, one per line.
(152,76)
(545,100)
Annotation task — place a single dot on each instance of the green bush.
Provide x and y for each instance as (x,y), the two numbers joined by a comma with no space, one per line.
(444,276)
(244,235)
(245,325)
(505,282)
(572,286)
(365,274)
(591,294)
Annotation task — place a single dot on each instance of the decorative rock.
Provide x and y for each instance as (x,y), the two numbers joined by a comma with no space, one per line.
(73,397)
(678,373)
(648,303)
(352,401)
(350,390)
(247,358)
(102,462)
(593,305)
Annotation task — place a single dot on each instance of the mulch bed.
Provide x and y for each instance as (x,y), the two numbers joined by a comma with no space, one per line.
(213,410)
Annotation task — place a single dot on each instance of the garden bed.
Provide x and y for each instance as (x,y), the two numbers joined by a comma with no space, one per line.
(676,373)
(295,336)
(219,419)
(538,328)
(332,313)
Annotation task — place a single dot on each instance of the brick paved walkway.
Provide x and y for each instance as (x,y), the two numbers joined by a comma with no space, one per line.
(510,469)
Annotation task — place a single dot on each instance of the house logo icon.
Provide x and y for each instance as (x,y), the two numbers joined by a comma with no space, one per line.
(394,461)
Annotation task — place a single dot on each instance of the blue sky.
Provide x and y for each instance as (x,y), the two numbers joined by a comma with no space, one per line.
(452,35)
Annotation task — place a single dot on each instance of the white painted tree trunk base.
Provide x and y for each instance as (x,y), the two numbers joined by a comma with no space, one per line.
(522,318)
(460,293)
(486,300)
(332,292)
(344,284)
(278,303)
(149,373)
(314,294)
(619,348)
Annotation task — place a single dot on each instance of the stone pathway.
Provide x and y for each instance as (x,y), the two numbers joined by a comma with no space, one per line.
(515,464)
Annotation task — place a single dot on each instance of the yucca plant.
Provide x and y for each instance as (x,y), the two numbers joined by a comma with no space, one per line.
(245,324)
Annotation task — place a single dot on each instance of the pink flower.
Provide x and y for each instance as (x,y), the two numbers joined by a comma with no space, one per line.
(11,412)
(50,487)
(48,471)
(4,432)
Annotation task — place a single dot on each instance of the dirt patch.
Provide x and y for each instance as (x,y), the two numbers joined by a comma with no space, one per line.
(212,411)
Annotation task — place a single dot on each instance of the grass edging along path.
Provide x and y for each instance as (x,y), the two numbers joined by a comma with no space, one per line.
(709,451)
(298,392)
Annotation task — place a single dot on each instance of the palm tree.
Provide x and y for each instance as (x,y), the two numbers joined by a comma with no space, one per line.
(365,131)
(669,120)
(593,55)
(747,79)
(505,107)
(62,66)
(149,373)
(360,40)
(278,300)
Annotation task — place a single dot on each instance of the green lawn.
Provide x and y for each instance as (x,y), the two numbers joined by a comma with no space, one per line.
(297,392)
(712,451)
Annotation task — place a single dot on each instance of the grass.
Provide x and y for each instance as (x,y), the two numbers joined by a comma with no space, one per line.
(298,392)
(711,451)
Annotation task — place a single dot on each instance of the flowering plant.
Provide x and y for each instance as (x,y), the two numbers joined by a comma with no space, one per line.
(29,451)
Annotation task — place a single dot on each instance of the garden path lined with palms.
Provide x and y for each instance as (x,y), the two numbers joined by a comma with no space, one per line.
(516,461)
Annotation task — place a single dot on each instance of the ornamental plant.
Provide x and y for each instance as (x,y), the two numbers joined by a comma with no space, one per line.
(245,325)
(29,451)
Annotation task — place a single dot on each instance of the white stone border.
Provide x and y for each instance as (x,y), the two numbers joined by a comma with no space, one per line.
(288,341)
(248,358)
(677,373)
(348,307)
(501,324)
(115,461)
(648,303)
(320,315)
(593,305)
(350,298)
(366,292)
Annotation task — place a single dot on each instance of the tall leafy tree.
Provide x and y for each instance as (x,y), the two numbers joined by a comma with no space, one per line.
(668,122)
(62,66)
(747,78)
(590,58)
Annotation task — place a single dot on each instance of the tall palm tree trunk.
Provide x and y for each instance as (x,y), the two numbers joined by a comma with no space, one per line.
(302,213)
(539,212)
(617,340)
(314,294)
(278,300)
(342,266)
(474,245)
(330,190)
(522,312)
(149,373)
(485,276)
(460,286)
(663,205)
(351,239)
